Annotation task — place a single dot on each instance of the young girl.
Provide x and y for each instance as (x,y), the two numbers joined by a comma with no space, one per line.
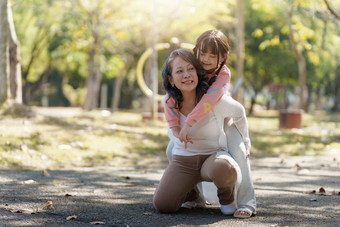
(212,51)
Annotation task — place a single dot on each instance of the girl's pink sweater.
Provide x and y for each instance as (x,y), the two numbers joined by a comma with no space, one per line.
(205,105)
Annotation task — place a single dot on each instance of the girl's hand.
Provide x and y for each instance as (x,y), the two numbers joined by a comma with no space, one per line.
(247,153)
(183,135)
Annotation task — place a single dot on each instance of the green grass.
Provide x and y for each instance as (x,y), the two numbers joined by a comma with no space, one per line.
(90,139)
(320,133)
(85,140)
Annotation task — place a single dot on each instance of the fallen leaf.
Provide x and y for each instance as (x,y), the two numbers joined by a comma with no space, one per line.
(45,173)
(123,178)
(98,191)
(97,223)
(297,166)
(48,206)
(322,190)
(29,181)
(145,171)
(303,171)
(71,217)
(335,193)
(23,211)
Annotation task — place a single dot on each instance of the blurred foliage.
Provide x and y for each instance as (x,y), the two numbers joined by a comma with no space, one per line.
(57,36)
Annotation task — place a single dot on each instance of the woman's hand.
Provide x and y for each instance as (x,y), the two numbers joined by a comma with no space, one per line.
(175,131)
(183,135)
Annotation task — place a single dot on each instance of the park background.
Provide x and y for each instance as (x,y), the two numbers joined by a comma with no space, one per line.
(68,74)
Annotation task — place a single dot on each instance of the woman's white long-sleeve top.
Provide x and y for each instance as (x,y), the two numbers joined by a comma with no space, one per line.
(208,135)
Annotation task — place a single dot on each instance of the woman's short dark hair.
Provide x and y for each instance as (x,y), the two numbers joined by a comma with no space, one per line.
(175,93)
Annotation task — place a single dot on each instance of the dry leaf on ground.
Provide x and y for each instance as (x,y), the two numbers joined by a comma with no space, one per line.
(97,223)
(22,211)
(322,190)
(48,206)
(45,173)
(71,217)
(29,181)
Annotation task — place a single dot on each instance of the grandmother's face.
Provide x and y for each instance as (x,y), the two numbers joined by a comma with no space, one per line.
(184,75)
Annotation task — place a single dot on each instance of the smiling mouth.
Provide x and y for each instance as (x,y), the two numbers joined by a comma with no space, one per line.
(188,82)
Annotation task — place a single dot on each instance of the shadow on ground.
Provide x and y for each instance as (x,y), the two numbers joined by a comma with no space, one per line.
(122,196)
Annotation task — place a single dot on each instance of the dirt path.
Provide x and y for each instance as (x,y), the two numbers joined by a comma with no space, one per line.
(121,196)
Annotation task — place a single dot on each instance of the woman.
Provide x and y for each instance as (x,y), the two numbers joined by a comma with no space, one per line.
(212,51)
(206,158)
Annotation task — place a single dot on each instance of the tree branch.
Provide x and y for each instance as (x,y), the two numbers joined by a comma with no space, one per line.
(331,10)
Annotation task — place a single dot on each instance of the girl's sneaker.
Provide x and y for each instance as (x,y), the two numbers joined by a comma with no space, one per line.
(228,209)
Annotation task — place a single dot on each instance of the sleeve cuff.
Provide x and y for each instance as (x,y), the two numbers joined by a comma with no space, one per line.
(190,122)
(173,123)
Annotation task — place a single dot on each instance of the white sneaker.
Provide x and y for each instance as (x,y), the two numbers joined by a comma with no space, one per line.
(228,209)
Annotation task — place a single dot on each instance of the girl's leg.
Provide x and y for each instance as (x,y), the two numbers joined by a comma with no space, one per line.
(182,174)
(224,176)
(236,111)
(246,194)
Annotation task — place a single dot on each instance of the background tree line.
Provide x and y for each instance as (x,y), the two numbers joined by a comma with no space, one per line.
(61,53)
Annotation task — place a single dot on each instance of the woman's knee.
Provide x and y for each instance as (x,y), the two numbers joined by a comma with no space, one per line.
(164,205)
(224,173)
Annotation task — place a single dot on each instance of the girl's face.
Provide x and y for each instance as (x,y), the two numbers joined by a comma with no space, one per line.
(184,75)
(208,61)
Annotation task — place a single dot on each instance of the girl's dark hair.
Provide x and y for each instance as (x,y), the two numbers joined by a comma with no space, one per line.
(175,93)
(216,42)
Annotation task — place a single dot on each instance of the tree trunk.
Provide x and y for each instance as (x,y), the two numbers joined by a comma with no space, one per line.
(14,59)
(253,102)
(92,82)
(317,101)
(116,92)
(332,11)
(118,84)
(4,60)
(239,47)
(300,61)
(117,87)
(309,98)
(336,106)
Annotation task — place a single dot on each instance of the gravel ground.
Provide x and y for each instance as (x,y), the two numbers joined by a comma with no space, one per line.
(287,190)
